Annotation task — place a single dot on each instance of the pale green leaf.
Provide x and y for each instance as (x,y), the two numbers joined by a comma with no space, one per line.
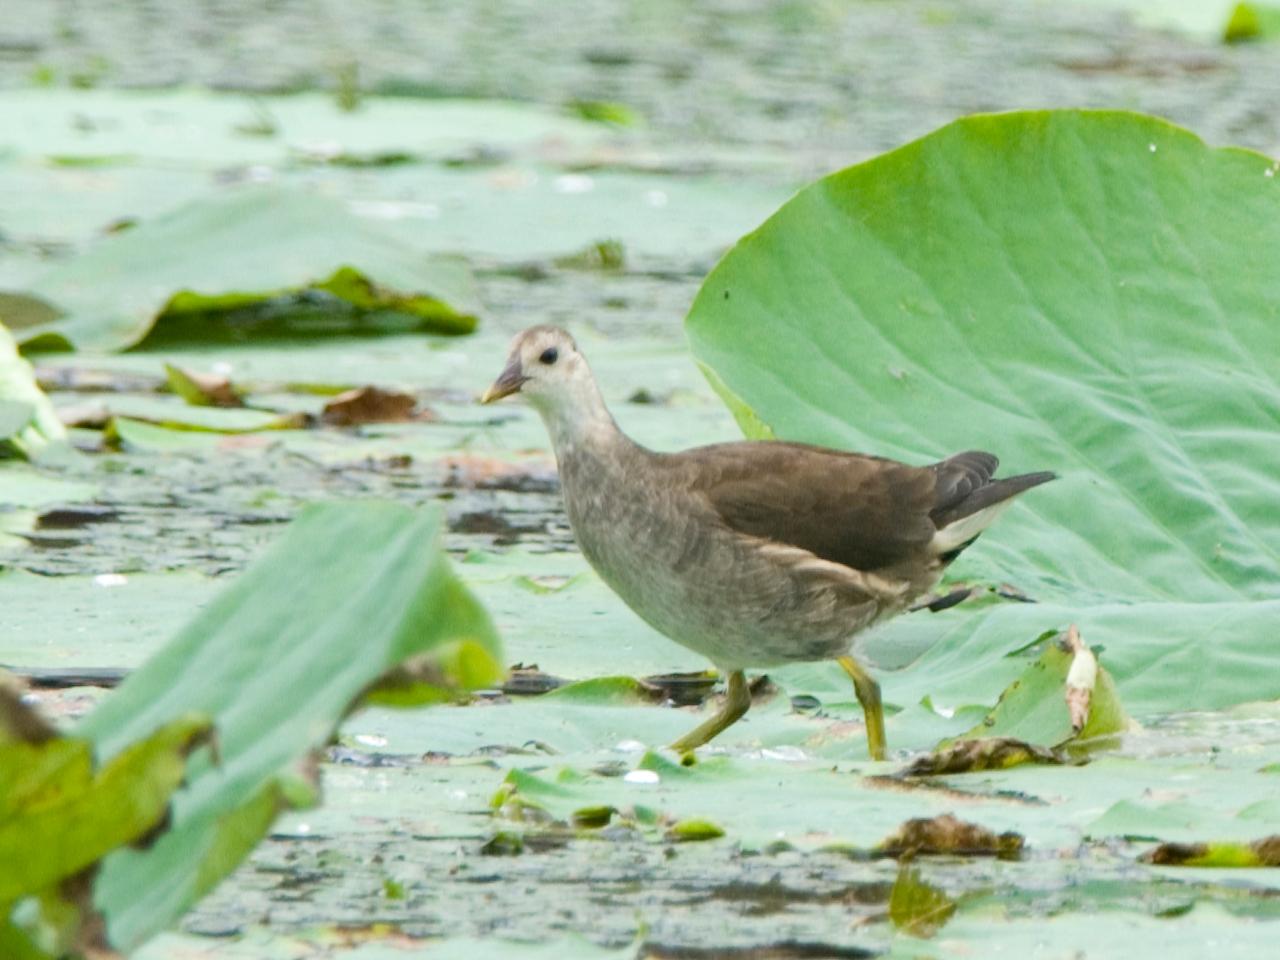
(27,419)
(1088,292)
(277,660)
(237,250)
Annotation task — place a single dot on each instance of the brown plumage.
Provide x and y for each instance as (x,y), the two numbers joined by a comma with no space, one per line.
(752,553)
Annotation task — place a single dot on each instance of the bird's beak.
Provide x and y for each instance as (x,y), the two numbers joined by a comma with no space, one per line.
(509,381)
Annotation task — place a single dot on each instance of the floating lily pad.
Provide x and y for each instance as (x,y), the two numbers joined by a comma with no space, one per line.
(237,250)
(214,130)
(1089,292)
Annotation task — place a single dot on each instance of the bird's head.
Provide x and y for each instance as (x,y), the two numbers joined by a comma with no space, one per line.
(544,365)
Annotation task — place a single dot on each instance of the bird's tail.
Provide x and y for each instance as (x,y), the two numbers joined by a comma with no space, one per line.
(962,522)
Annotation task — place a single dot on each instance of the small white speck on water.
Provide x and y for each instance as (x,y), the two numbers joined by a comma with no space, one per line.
(945,712)
(458,794)
(647,777)
(1151,147)
(221,368)
(370,740)
(656,198)
(395,210)
(574,183)
(260,173)
(111,579)
(323,150)
(304,828)
(786,753)
(629,746)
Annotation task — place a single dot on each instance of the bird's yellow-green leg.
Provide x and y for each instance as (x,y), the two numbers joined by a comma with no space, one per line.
(736,702)
(868,691)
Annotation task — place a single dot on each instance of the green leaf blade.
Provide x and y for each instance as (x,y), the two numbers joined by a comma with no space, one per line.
(277,660)
(1088,292)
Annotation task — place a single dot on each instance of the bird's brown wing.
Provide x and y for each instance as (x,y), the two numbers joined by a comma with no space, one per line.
(860,511)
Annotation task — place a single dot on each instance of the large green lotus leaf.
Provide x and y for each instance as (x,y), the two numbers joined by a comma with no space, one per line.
(1086,292)
(1163,656)
(239,249)
(351,592)
(28,422)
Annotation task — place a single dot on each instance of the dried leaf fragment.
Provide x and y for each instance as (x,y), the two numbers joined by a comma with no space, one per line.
(948,834)
(992,753)
(202,389)
(92,415)
(1081,679)
(20,723)
(369,405)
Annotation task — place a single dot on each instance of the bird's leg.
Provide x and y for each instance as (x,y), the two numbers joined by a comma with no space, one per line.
(736,702)
(868,691)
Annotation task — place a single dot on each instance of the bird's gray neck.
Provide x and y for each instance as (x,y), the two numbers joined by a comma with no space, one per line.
(581,426)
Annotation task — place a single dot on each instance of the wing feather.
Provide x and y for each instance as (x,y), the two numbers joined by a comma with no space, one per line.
(859,511)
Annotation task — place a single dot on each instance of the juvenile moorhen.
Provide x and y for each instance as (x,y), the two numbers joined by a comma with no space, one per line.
(754,553)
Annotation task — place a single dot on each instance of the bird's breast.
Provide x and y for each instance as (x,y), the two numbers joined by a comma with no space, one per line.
(665,553)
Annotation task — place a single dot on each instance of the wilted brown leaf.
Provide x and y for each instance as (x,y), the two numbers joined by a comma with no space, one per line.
(369,405)
(968,756)
(92,415)
(202,389)
(1081,679)
(947,834)
(19,722)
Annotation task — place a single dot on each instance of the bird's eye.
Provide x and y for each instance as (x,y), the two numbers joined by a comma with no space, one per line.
(549,356)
